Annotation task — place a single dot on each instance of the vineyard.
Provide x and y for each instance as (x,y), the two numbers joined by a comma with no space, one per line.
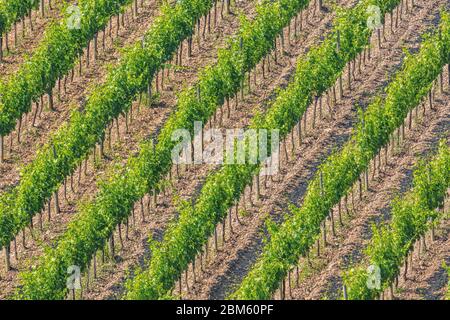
(224,149)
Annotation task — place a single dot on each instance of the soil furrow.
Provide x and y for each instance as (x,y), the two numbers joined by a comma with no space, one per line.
(19,154)
(395,179)
(28,41)
(429,280)
(190,182)
(234,259)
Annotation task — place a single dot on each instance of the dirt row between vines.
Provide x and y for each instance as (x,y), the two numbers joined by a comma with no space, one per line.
(146,121)
(429,280)
(233,260)
(26,44)
(348,247)
(187,186)
(32,138)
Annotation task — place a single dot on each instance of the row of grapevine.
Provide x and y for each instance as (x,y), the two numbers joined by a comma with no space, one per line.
(447,295)
(97,220)
(57,53)
(12,11)
(72,142)
(412,216)
(341,170)
(315,74)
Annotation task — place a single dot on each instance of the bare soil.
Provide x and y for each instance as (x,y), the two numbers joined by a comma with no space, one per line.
(224,269)
(395,179)
(239,253)
(148,120)
(27,39)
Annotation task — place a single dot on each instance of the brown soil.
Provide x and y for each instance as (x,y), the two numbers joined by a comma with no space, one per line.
(429,280)
(148,120)
(190,182)
(226,268)
(233,261)
(395,179)
(26,44)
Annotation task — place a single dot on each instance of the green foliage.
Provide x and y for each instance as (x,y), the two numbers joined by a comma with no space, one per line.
(315,73)
(72,142)
(55,56)
(447,294)
(13,11)
(412,215)
(144,172)
(342,169)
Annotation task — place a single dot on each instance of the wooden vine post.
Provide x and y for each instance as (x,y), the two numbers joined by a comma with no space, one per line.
(55,194)
(2,149)
(7,251)
(341,86)
(344,291)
